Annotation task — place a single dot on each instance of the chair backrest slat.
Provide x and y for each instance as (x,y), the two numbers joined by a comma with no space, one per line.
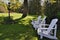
(39,17)
(43,20)
(52,24)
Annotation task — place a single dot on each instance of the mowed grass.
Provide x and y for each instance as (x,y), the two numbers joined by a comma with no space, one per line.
(22,30)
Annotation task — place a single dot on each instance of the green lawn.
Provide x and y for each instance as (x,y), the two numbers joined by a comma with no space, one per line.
(20,31)
(23,30)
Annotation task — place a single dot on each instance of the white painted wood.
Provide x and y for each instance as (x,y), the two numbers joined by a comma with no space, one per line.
(39,22)
(46,32)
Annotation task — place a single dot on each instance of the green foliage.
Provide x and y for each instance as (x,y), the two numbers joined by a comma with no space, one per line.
(51,11)
(3,7)
(15,6)
(58,15)
(34,7)
(58,6)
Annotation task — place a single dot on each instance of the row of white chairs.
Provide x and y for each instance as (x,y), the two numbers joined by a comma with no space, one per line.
(42,29)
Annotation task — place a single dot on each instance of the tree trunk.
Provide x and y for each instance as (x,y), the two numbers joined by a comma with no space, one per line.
(25,11)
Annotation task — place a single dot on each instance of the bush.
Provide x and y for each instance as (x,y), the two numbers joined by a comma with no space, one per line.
(14,7)
(3,7)
(34,7)
(51,11)
(58,15)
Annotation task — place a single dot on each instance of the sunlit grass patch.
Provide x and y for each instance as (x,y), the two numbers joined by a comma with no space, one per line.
(26,20)
(14,15)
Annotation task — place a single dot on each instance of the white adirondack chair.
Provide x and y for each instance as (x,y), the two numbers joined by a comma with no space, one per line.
(38,22)
(46,32)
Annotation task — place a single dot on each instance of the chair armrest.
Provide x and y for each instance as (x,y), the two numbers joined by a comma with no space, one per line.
(44,24)
(42,28)
(35,22)
(48,25)
(55,27)
(45,28)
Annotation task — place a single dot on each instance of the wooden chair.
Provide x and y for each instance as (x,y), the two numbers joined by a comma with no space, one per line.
(38,22)
(46,32)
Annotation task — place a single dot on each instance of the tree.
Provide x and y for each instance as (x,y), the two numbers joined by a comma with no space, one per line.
(43,7)
(25,8)
(58,5)
(51,10)
(13,1)
(34,7)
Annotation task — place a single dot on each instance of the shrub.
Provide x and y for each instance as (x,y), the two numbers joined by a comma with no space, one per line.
(3,7)
(15,7)
(51,11)
(58,15)
(34,7)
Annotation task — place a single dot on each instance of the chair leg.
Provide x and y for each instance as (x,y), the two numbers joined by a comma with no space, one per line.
(35,29)
(41,37)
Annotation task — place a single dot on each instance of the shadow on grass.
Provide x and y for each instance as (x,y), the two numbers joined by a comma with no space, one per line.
(20,18)
(7,20)
(16,32)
